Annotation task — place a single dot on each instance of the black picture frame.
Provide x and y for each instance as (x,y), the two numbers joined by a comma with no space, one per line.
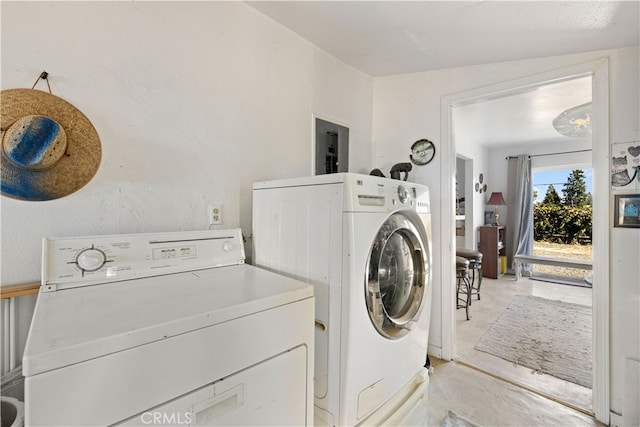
(626,210)
(488,217)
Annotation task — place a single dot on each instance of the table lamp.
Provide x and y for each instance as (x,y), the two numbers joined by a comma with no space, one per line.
(496,200)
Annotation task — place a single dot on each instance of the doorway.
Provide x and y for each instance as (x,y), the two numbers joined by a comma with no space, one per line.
(465,206)
(519,346)
(599,71)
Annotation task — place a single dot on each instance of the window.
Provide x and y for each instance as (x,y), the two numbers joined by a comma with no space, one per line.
(562,216)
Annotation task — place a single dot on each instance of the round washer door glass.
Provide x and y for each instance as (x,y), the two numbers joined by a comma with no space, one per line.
(396,273)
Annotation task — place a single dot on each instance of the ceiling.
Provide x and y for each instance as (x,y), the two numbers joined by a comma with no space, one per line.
(384,38)
(523,118)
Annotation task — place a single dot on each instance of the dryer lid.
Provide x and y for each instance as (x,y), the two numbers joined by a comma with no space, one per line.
(79,324)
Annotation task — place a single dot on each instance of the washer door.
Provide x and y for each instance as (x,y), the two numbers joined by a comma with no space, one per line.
(395,284)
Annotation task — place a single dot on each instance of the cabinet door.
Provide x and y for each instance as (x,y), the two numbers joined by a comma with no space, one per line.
(491,246)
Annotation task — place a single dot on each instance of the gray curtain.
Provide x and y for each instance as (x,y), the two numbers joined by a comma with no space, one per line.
(520,215)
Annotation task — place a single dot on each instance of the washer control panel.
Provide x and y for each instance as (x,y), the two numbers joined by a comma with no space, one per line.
(374,194)
(79,261)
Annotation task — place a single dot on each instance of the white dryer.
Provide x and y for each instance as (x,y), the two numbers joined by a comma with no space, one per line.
(167,329)
(364,243)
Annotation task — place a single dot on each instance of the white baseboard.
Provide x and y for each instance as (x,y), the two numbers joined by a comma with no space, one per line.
(434,351)
(615,420)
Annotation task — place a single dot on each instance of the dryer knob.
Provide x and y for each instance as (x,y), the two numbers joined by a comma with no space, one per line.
(227,246)
(91,259)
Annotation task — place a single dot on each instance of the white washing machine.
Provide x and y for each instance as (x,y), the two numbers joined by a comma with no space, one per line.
(167,329)
(364,243)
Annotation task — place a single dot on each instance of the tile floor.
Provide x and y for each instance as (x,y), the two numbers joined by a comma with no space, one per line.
(488,400)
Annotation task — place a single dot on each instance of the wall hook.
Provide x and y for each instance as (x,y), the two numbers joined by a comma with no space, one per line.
(44,76)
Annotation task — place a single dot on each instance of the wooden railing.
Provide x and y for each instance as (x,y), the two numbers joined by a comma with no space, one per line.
(11,291)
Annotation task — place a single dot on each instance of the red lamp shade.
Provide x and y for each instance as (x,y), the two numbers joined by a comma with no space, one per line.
(496,199)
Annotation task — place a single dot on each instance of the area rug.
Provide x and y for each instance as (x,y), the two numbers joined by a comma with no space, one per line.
(454,420)
(548,336)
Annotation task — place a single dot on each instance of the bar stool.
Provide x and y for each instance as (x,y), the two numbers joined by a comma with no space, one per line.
(463,285)
(475,265)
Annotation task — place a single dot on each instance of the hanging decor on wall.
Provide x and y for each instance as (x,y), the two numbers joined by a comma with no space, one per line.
(626,210)
(625,165)
(49,148)
(481,188)
(422,152)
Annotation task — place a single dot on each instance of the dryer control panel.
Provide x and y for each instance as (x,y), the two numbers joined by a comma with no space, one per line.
(80,261)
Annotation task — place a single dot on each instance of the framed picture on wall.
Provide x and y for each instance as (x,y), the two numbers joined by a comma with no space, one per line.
(625,166)
(626,210)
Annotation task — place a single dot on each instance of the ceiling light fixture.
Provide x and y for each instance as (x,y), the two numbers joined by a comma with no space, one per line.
(574,122)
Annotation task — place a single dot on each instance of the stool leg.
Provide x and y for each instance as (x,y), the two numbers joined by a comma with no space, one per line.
(468,283)
(472,281)
(462,279)
(476,286)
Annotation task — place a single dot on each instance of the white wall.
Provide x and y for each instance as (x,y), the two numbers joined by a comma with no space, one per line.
(625,243)
(193,102)
(407,107)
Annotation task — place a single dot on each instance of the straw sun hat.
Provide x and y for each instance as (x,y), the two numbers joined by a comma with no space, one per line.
(49,148)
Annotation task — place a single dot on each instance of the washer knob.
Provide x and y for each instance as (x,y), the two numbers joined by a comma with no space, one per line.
(91,259)
(227,246)
(403,194)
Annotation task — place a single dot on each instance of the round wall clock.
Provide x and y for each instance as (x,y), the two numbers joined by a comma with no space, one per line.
(422,152)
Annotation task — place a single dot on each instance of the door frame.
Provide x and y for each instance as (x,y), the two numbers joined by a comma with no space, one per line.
(599,71)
